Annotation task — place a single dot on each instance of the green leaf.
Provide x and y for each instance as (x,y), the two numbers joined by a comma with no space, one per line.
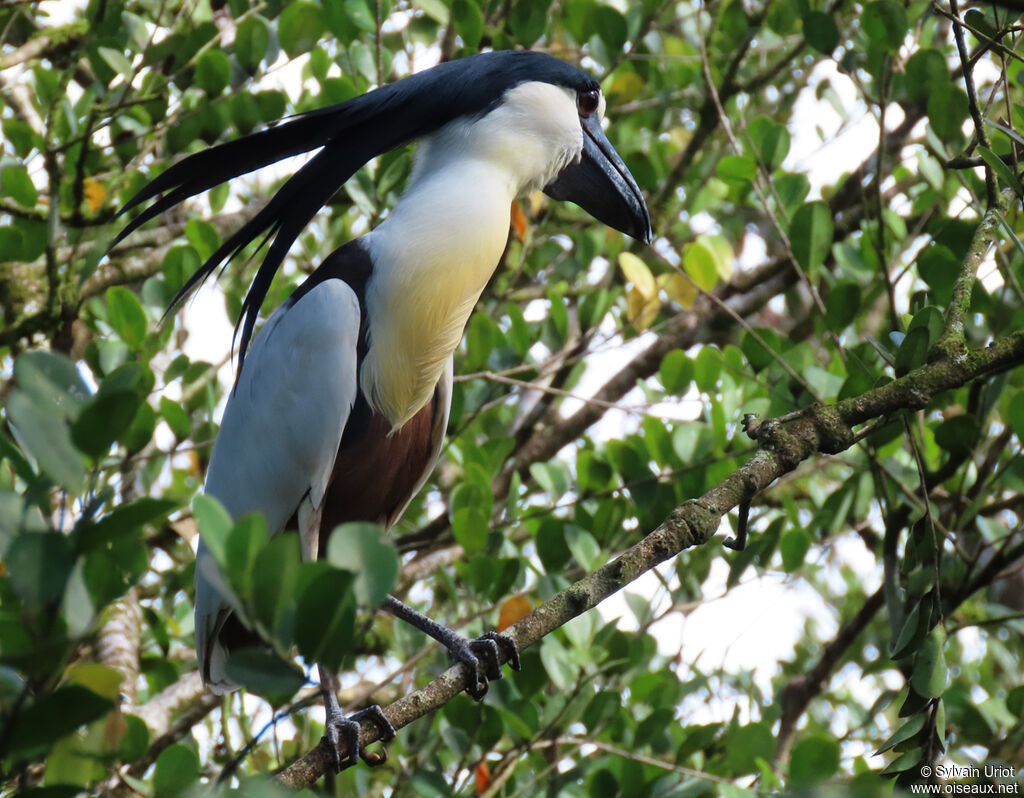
(555,659)
(213,72)
(783,16)
(706,368)
(299,28)
(263,672)
(177,419)
(903,762)
(810,234)
(362,549)
(948,107)
(791,189)
(913,350)
(926,70)
(958,435)
(177,769)
(16,184)
(699,263)
(885,23)
(610,26)
(814,760)
(103,420)
(469,22)
(744,744)
(939,268)
(553,477)
(841,306)
(361,12)
(907,731)
(737,170)
(122,520)
(244,543)
(140,431)
(117,61)
(929,318)
(52,381)
(47,439)
(584,548)
(325,619)
(126,315)
(551,546)
(676,372)
(995,163)
(55,715)
(821,32)
(20,134)
(1016,414)
(470,527)
(908,634)
(214,525)
(929,675)
(793,546)
(203,236)
(251,41)
(771,141)
(38,565)
(274,585)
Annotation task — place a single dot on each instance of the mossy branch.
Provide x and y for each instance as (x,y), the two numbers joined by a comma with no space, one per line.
(782,445)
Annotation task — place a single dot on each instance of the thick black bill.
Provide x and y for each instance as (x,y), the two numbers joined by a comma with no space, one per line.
(601,184)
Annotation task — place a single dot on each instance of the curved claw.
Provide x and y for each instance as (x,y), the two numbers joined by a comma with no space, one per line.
(342,733)
(483,661)
(508,645)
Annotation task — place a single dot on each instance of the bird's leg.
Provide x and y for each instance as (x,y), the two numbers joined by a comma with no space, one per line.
(342,733)
(479,656)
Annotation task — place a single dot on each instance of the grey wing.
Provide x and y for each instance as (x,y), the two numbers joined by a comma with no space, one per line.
(278,439)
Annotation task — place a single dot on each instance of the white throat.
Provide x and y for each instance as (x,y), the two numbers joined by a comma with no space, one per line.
(432,257)
(435,252)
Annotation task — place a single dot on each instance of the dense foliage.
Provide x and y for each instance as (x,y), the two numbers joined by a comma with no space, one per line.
(781,277)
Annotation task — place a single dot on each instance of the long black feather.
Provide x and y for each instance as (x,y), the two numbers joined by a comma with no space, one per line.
(350,134)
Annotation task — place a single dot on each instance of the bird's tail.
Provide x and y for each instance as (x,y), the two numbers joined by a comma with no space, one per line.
(213,611)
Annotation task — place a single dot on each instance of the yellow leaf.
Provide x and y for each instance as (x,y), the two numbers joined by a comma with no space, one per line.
(679,137)
(639,275)
(512,610)
(518,220)
(101,679)
(678,289)
(536,201)
(721,251)
(95,193)
(699,263)
(641,310)
(626,86)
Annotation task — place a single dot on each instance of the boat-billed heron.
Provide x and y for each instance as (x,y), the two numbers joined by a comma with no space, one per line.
(341,401)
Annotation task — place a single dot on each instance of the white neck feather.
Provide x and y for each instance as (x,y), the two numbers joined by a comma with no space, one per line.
(437,249)
(432,257)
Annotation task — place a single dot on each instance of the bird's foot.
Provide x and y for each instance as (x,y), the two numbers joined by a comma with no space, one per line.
(481,660)
(342,736)
(481,657)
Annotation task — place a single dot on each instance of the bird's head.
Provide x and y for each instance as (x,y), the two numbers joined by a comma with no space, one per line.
(540,114)
(546,131)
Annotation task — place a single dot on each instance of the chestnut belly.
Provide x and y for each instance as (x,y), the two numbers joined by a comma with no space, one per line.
(375,476)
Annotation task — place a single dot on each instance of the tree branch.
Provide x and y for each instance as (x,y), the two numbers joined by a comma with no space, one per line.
(951,343)
(782,446)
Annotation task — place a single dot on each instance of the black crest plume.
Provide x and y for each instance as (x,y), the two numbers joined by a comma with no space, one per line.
(348,135)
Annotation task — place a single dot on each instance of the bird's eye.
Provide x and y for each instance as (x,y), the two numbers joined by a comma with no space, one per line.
(588,102)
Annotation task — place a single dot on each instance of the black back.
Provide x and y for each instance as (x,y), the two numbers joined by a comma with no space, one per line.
(350,134)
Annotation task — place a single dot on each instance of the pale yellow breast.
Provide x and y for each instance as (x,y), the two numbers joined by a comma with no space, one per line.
(432,258)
